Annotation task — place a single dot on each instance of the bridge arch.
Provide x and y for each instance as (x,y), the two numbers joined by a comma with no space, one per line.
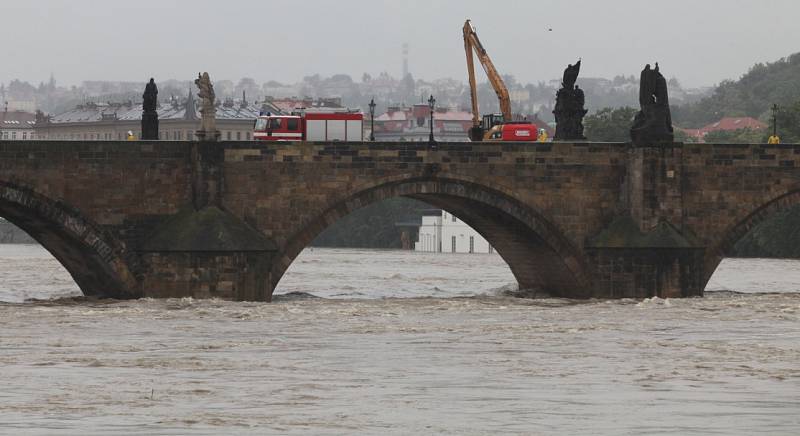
(537,252)
(94,259)
(725,244)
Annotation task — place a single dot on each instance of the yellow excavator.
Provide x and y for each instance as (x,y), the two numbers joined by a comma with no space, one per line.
(491,128)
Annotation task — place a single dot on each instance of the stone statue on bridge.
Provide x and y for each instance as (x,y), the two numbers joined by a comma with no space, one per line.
(569,111)
(653,123)
(208,124)
(149,113)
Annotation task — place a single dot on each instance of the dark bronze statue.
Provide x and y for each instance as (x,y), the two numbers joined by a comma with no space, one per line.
(149,113)
(571,75)
(41,118)
(569,111)
(653,123)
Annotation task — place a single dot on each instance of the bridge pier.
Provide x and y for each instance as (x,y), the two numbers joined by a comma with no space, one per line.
(207,253)
(647,250)
(231,275)
(647,272)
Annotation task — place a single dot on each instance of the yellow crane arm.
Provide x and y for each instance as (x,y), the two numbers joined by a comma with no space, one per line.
(472,43)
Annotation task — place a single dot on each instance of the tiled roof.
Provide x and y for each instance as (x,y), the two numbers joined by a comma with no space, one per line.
(734,123)
(393,116)
(452,116)
(289,105)
(17,120)
(94,112)
(403,115)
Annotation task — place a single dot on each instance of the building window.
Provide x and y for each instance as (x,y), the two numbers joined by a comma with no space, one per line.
(13,135)
(24,135)
(454,218)
(471,244)
(247,135)
(228,134)
(238,136)
(5,135)
(491,249)
(453,243)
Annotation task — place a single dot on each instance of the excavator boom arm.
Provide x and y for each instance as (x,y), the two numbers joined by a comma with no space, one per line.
(473,88)
(473,44)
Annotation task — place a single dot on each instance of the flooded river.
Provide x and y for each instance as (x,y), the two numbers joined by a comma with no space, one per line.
(389,342)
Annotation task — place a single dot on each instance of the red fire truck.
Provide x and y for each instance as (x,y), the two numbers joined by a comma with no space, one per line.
(318,124)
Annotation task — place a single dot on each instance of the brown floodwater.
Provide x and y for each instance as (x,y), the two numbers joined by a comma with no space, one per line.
(391,342)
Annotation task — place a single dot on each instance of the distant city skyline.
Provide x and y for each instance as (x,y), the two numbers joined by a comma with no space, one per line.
(698,42)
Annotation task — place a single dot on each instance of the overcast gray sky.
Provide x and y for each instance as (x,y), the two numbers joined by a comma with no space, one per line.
(698,41)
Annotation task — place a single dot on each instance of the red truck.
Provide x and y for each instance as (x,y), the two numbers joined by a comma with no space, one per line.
(319,124)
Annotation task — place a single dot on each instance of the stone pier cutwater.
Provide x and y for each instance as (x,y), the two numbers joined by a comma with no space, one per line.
(226,219)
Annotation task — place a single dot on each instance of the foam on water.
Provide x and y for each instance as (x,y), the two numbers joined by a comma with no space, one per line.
(476,362)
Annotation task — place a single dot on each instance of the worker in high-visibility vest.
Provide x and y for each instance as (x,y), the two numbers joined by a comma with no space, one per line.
(542,136)
(774,139)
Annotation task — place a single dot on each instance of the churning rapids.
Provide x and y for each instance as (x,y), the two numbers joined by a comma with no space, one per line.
(389,342)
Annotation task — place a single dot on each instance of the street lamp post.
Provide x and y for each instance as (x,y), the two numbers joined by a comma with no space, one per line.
(431,105)
(372,120)
(774,120)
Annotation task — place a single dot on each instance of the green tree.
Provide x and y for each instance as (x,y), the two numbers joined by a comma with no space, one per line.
(789,123)
(778,236)
(752,95)
(373,226)
(681,136)
(740,136)
(609,124)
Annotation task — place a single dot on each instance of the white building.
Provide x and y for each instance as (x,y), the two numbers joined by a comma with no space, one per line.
(443,232)
(17,125)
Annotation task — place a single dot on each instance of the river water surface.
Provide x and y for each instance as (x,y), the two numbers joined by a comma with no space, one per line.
(390,342)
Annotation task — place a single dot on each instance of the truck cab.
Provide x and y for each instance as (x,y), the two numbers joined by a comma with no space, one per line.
(317,124)
(278,128)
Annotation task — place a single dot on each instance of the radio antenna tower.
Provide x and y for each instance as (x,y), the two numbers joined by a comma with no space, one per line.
(405,59)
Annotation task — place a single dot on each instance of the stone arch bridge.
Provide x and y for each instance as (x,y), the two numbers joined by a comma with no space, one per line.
(579,220)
